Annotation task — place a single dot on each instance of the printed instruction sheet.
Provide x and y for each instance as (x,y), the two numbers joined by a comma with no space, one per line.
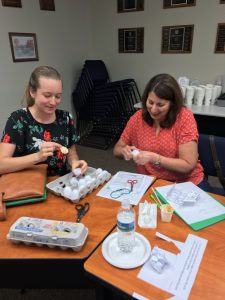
(179,275)
(126,185)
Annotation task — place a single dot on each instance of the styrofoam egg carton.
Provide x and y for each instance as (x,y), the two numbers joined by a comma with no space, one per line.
(65,235)
(74,187)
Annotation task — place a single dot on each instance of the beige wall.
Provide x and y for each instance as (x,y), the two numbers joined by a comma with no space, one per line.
(63,39)
(202,63)
(87,29)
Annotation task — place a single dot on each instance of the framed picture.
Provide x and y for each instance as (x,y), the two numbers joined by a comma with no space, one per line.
(222,1)
(131,40)
(12,3)
(178,3)
(47,5)
(129,5)
(220,38)
(23,46)
(177,39)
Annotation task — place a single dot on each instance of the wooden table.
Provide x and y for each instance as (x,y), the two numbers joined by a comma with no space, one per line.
(30,266)
(210,280)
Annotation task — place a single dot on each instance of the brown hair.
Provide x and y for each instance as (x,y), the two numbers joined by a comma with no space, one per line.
(42,71)
(165,87)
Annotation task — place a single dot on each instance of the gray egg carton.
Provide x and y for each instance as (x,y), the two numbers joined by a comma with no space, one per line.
(52,233)
(74,188)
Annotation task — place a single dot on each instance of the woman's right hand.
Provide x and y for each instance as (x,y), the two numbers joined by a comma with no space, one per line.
(126,151)
(47,149)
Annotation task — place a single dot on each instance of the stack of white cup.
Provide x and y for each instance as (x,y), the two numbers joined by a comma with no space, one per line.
(201,95)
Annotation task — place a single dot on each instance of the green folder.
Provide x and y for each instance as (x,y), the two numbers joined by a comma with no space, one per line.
(201,224)
(27,200)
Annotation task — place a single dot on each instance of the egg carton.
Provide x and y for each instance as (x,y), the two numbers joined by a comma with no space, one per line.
(65,235)
(74,188)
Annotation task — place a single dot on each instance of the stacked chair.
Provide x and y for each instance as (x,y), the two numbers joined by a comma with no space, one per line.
(102,107)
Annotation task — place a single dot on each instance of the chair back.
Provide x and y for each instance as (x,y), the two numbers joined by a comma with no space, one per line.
(205,154)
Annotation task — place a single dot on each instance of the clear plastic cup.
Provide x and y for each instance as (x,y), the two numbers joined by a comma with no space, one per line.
(166,212)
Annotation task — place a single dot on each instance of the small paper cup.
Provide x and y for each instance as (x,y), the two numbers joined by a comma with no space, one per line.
(166,212)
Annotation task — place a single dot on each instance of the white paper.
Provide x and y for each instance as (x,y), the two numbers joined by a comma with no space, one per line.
(179,275)
(113,189)
(139,297)
(187,266)
(205,208)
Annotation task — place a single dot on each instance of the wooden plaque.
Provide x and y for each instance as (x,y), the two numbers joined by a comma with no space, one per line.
(131,40)
(12,3)
(47,5)
(178,3)
(177,39)
(220,39)
(129,5)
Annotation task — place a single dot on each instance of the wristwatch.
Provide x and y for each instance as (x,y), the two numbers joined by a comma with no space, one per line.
(157,162)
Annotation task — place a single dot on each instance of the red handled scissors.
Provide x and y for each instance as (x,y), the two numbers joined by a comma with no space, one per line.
(132,183)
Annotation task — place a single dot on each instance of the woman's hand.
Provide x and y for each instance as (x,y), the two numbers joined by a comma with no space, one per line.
(145,157)
(79,164)
(47,149)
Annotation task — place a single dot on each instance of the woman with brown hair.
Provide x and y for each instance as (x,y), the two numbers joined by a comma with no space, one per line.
(165,133)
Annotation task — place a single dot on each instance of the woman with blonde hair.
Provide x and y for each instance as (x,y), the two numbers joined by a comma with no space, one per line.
(40,132)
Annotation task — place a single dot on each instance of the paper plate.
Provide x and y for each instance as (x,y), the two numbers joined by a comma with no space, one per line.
(134,259)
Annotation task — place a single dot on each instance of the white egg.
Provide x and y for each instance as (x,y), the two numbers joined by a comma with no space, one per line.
(75,195)
(135,152)
(81,182)
(98,171)
(67,191)
(77,172)
(74,182)
(87,178)
(82,190)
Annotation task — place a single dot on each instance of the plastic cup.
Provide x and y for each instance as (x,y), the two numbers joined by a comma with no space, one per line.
(166,212)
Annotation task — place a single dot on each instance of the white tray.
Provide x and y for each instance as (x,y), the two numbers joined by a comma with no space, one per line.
(90,181)
(137,257)
(52,233)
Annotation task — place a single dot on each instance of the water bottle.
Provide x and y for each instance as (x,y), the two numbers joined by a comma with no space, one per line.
(126,227)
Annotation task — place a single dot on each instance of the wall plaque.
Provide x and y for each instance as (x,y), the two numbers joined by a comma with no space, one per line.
(12,3)
(177,39)
(47,5)
(129,5)
(220,39)
(131,40)
(178,3)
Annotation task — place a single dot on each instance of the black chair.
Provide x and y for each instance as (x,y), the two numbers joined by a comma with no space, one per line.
(207,161)
(102,107)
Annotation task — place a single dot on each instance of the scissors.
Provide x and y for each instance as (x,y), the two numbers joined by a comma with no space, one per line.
(82,209)
(132,183)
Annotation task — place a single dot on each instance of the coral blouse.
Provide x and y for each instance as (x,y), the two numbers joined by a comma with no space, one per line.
(143,136)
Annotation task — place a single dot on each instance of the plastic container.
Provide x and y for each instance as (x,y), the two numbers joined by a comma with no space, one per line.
(126,227)
(74,188)
(52,233)
(166,212)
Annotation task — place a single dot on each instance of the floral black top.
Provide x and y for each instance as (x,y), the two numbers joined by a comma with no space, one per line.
(27,134)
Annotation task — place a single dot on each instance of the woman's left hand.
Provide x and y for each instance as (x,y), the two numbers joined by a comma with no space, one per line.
(145,157)
(82,164)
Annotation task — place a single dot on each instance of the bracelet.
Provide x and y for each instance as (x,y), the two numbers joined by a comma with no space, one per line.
(158,161)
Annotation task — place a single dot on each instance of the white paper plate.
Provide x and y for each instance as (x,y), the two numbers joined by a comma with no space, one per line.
(136,258)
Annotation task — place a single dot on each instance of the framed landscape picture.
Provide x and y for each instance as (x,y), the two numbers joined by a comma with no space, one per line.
(23,46)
